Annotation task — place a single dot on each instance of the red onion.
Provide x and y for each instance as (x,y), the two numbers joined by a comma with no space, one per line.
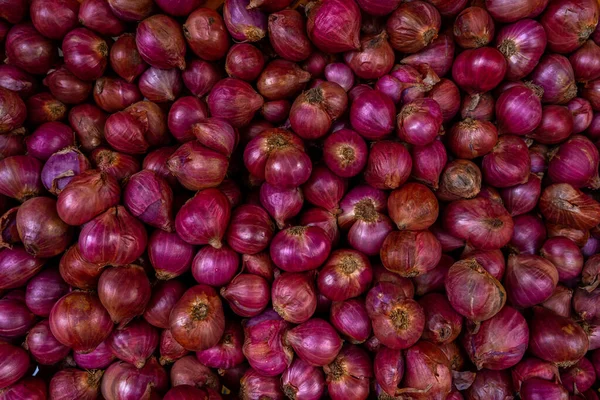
(582,113)
(163,299)
(258,264)
(43,290)
(324,189)
(580,377)
(41,230)
(426,363)
(14,11)
(438,55)
(228,352)
(49,138)
(523,198)
(157,161)
(585,305)
(88,122)
(349,374)
(131,10)
(288,36)
(442,323)
(569,23)
(27,388)
(124,292)
(250,229)
(125,381)
(14,364)
(149,197)
(460,179)
(16,319)
(556,125)
(351,319)
(375,59)
(113,237)
(346,274)
(313,111)
(170,350)
(134,343)
(61,167)
(528,236)
(413,207)
(473,28)
(540,389)
(17,80)
(197,321)
(303,381)
(563,204)
(522,270)
(489,384)
(78,272)
(518,110)
(75,383)
(87,195)
(388,368)
(54,19)
(323,219)
(281,79)
(276,111)
(43,107)
(447,95)
(410,253)
(554,75)
(412,26)
(11,145)
(483,290)
(282,204)
(532,367)
(508,164)
(215,267)
(589,91)
(247,294)
(178,7)
(434,279)
(97,16)
(21,177)
(197,167)
(522,44)
(125,59)
(575,163)
(244,61)
(216,134)
(256,386)
(591,273)
(66,87)
(491,260)
(419,122)
(345,153)
(235,101)
(112,95)
(334,25)
(478,106)
(160,42)
(184,113)
(428,162)
(560,301)
(500,342)
(85,54)
(315,341)
(472,138)
(388,166)
(205,33)
(372,114)
(9,234)
(243,22)
(565,255)
(584,61)
(294,297)
(161,85)
(479,70)
(78,320)
(27,49)
(485,224)
(556,339)
(398,322)
(263,345)
(194,228)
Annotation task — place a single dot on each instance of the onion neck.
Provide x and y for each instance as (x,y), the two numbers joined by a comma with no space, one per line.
(199,311)
(365,211)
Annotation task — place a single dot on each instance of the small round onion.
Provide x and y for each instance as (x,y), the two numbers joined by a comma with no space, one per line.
(160,42)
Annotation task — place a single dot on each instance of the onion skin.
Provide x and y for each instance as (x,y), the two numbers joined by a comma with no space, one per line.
(206,34)
(197,321)
(375,59)
(479,70)
(124,381)
(388,166)
(97,16)
(150,198)
(345,153)
(197,167)
(287,35)
(472,138)
(119,165)
(13,112)
(254,386)
(247,294)
(78,272)
(428,163)
(85,54)
(346,274)
(235,101)
(61,167)
(509,110)
(524,268)
(17,319)
(575,163)
(482,285)
(555,75)
(489,384)
(333,25)
(565,255)
(30,51)
(419,122)
(189,371)
(556,339)
(563,204)
(78,320)
(14,365)
(303,381)
(579,377)
(412,26)
(388,368)
(300,248)
(135,343)
(160,42)
(161,85)
(315,341)
(244,23)
(556,125)
(88,122)
(49,138)
(460,179)
(164,297)
(522,44)
(43,290)
(54,20)
(250,230)
(228,353)
(349,375)
(426,363)
(473,28)
(569,23)
(131,10)
(410,253)
(281,79)
(413,207)
(76,383)
(107,238)
(244,61)
(112,95)
(351,319)
(215,267)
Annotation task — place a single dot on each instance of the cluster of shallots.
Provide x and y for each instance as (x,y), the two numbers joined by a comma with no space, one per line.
(271,199)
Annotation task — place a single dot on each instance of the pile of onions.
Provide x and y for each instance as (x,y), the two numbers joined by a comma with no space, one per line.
(270,199)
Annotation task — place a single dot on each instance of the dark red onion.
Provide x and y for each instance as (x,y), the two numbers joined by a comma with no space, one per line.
(582,113)
(518,110)
(183,114)
(131,10)
(113,94)
(250,229)
(388,368)
(11,145)
(434,279)
(14,11)
(149,197)
(264,347)
(413,207)
(460,179)
(472,138)
(375,59)
(424,116)
(323,219)
(21,177)
(205,33)
(388,166)
(75,383)
(282,204)
(565,255)
(197,321)
(554,75)
(160,42)
(345,153)
(442,323)
(16,319)
(288,36)
(244,61)
(49,138)
(294,297)
(197,167)
(556,125)
(473,28)
(508,164)
(124,292)
(243,22)
(346,274)
(256,386)
(348,376)
(160,85)
(134,343)
(276,111)
(410,253)
(585,305)
(447,95)
(426,363)
(85,54)
(215,267)
(97,16)
(563,204)
(281,79)
(17,80)
(585,62)
(9,234)
(14,364)
(170,350)
(528,236)
(235,101)
(88,122)
(122,380)
(590,276)
(489,384)
(61,167)
(556,339)
(43,107)
(580,377)
(523,198)
(334,26)
(43,290)
(113,237)
(157,161)
(194,228)
(78,272)
(428,163)
(125,59)
(163,299)
(228,352)
(314,110)
(412,26)
(315,341)
(78,320)
(351,319)
(247,294)
(99,358)
(66,87)
(372,115)
(569,23)
(575,162)
(522,44)
(27,49)
(169,254)
(532,367)
(479,70)
(303,381)
(524,269)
